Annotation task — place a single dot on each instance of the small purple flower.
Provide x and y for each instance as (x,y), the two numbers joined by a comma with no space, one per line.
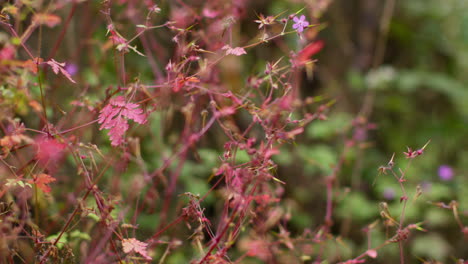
(389,193)
(300,23)
(71,68)
(445,173)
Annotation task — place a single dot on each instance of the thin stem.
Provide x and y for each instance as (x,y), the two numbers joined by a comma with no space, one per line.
(75,128)
(67,224)
(44,110)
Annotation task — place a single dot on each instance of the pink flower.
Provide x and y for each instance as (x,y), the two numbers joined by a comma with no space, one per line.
(300,23)
(59,67)
(445,173)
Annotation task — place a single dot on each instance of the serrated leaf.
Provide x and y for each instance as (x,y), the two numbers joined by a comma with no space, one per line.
(115,116)
(132,244)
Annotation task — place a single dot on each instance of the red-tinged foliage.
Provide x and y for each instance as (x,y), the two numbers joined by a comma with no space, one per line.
(115,115)
(181,81)
(226,111)
(41,181)
(49,152)
(238,51)
(32,65)
(309,51)
(245,202)
(265,199)
(59,67)
(231,96)
(259,249)
(46,19)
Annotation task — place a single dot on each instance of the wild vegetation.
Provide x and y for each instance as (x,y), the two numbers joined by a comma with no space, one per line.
(300,131)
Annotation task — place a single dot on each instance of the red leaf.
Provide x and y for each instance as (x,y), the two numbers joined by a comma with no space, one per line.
(180,82)
(310,50)
(41,181)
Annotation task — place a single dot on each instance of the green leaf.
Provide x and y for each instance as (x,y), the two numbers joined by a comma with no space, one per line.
(318,157)
(79,235)
(62,241)
(357,207)
(20,183)
(93,216)
(328,129)
(431,246)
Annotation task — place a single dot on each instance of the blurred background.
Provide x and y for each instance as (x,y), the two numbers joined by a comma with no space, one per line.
(411,82)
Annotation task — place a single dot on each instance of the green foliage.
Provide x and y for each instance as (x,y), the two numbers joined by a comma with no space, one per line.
(331,128)
(431,246)
(356,206)
(318,158)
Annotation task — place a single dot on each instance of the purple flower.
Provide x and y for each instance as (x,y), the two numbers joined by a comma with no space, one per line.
(300,23)
(389,193)
(445,173)
(71,68)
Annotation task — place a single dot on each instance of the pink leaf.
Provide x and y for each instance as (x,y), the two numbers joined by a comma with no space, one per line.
(56,67)
(131,244)
(116,133)
(49,151)
(115,116)
(234,51)
(229,110)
